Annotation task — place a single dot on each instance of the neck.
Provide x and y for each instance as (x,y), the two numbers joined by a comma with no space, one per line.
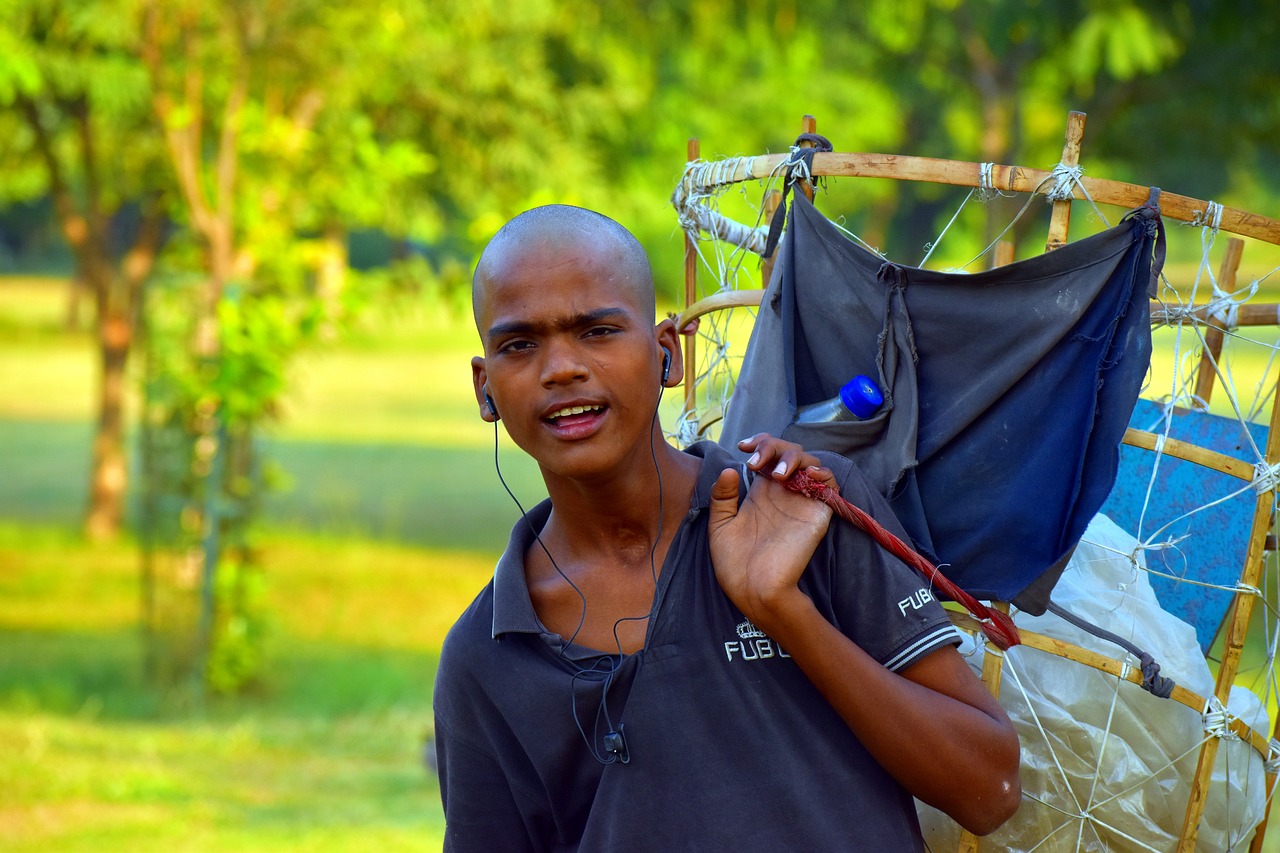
(620,514)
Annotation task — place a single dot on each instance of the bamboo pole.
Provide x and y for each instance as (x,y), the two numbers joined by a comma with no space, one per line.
(1060,221)
(1262,314)
(1103,663)
(1260,831)
(992,675)
(692,152)
(1220,462)
(808,124)
(719,302)
(1004,254)
(772,199)
(1237,630)
(1214,335)
(1007,178)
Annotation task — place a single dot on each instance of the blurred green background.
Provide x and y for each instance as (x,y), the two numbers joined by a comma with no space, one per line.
(243,487)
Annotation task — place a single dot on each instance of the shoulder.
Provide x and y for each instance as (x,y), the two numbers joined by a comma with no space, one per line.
(466,646)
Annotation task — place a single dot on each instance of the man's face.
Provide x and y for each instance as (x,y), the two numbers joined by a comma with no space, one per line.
(571,359)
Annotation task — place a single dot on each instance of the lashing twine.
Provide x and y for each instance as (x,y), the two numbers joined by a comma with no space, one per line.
(1064,180)
(997,626)
(1217,720)
(1272,764)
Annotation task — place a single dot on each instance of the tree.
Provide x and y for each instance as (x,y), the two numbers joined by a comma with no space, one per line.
(73,97)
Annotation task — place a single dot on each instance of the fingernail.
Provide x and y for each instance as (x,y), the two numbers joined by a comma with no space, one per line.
(754,460)
(781,469)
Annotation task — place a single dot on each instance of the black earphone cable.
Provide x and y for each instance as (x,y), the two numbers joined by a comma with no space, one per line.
(612,660)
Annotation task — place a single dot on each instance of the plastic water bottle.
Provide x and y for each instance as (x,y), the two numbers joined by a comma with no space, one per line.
(858,400)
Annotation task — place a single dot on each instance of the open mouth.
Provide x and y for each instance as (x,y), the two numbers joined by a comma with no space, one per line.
(574,412)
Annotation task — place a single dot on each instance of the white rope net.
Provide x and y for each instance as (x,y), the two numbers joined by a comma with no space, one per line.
(1106,765)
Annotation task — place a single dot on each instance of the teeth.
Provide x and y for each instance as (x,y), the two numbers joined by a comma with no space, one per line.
(573,410)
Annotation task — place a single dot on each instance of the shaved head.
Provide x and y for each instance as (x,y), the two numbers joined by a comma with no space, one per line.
(556,225)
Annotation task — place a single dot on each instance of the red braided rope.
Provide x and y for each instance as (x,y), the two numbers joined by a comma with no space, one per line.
(998,627)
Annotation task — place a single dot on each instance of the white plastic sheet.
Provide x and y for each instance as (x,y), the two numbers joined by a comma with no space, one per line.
(1106,766)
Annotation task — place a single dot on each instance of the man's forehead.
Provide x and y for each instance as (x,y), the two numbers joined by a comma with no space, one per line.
(571,246)
(546,301)
(531,273)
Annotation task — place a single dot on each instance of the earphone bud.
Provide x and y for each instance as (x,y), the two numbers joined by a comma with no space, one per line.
(666,364)
(489,402)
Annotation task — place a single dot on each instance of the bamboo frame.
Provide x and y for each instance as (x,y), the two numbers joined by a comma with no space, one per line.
(1263,314)
(1213,336)
(1007,179)
(1172,206)
(1237,629)
(690,293)
(1109,665)
(1060,221)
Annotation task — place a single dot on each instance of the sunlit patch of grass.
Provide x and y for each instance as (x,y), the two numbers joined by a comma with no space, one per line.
(326,753)
(37,306)
(260,784)
(388,596)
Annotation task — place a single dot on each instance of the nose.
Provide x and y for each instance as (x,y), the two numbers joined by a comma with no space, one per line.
(562,364)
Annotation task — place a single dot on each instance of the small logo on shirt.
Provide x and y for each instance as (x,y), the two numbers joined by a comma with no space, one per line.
(753,644)
(915,601)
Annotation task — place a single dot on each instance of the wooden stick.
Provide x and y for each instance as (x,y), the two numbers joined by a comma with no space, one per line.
(808,124)
(1004,254)
(1060,222)
(992,674)
(1191,453)
(1261,314)
(772,199)
(1237,631)
(1008,179)
(718,302)
(1214,335)
(1260,832)
(693,150)
(1267,314)
(1087,657)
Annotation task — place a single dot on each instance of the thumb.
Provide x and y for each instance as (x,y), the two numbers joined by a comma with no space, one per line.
(724,499)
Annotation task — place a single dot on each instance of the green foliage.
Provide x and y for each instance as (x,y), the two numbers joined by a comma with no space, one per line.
(434,123)
(204,483)
(1122,40)
(258,336)
(236,653)
(73,60)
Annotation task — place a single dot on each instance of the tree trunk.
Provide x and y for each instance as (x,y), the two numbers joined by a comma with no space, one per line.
(331,278)
(118,296)
(108,476)
(75,292)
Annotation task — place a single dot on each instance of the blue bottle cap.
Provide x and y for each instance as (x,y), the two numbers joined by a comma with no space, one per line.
(861,396)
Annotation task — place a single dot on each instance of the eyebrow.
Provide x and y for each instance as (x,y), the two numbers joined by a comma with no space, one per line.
(585,318)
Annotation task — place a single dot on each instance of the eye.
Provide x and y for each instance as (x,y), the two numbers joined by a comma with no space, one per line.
(599,331)
(515,345)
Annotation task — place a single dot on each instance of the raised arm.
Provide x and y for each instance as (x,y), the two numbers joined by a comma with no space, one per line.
(933,726)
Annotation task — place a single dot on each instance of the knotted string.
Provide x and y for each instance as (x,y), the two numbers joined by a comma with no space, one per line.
(998,627)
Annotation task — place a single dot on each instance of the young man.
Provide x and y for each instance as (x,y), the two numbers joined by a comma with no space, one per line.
(657,666)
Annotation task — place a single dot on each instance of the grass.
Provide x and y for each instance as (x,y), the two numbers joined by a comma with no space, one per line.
(327,754)
(391,525)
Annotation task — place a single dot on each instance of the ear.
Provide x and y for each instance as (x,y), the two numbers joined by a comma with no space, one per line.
(670,341)
(479,379)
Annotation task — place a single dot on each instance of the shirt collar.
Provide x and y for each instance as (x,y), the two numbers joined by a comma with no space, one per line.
(512,607)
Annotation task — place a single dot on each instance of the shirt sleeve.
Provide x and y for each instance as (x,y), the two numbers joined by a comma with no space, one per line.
(882,604)
(480,810)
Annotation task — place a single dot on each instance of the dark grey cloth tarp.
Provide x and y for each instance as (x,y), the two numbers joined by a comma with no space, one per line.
(1007,391)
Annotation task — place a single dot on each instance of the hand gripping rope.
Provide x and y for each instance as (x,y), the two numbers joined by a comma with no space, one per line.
(998,627)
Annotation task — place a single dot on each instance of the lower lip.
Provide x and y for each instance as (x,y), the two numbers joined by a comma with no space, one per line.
(576,426)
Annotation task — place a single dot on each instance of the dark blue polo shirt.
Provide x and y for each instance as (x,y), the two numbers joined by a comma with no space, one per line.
(730,746)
